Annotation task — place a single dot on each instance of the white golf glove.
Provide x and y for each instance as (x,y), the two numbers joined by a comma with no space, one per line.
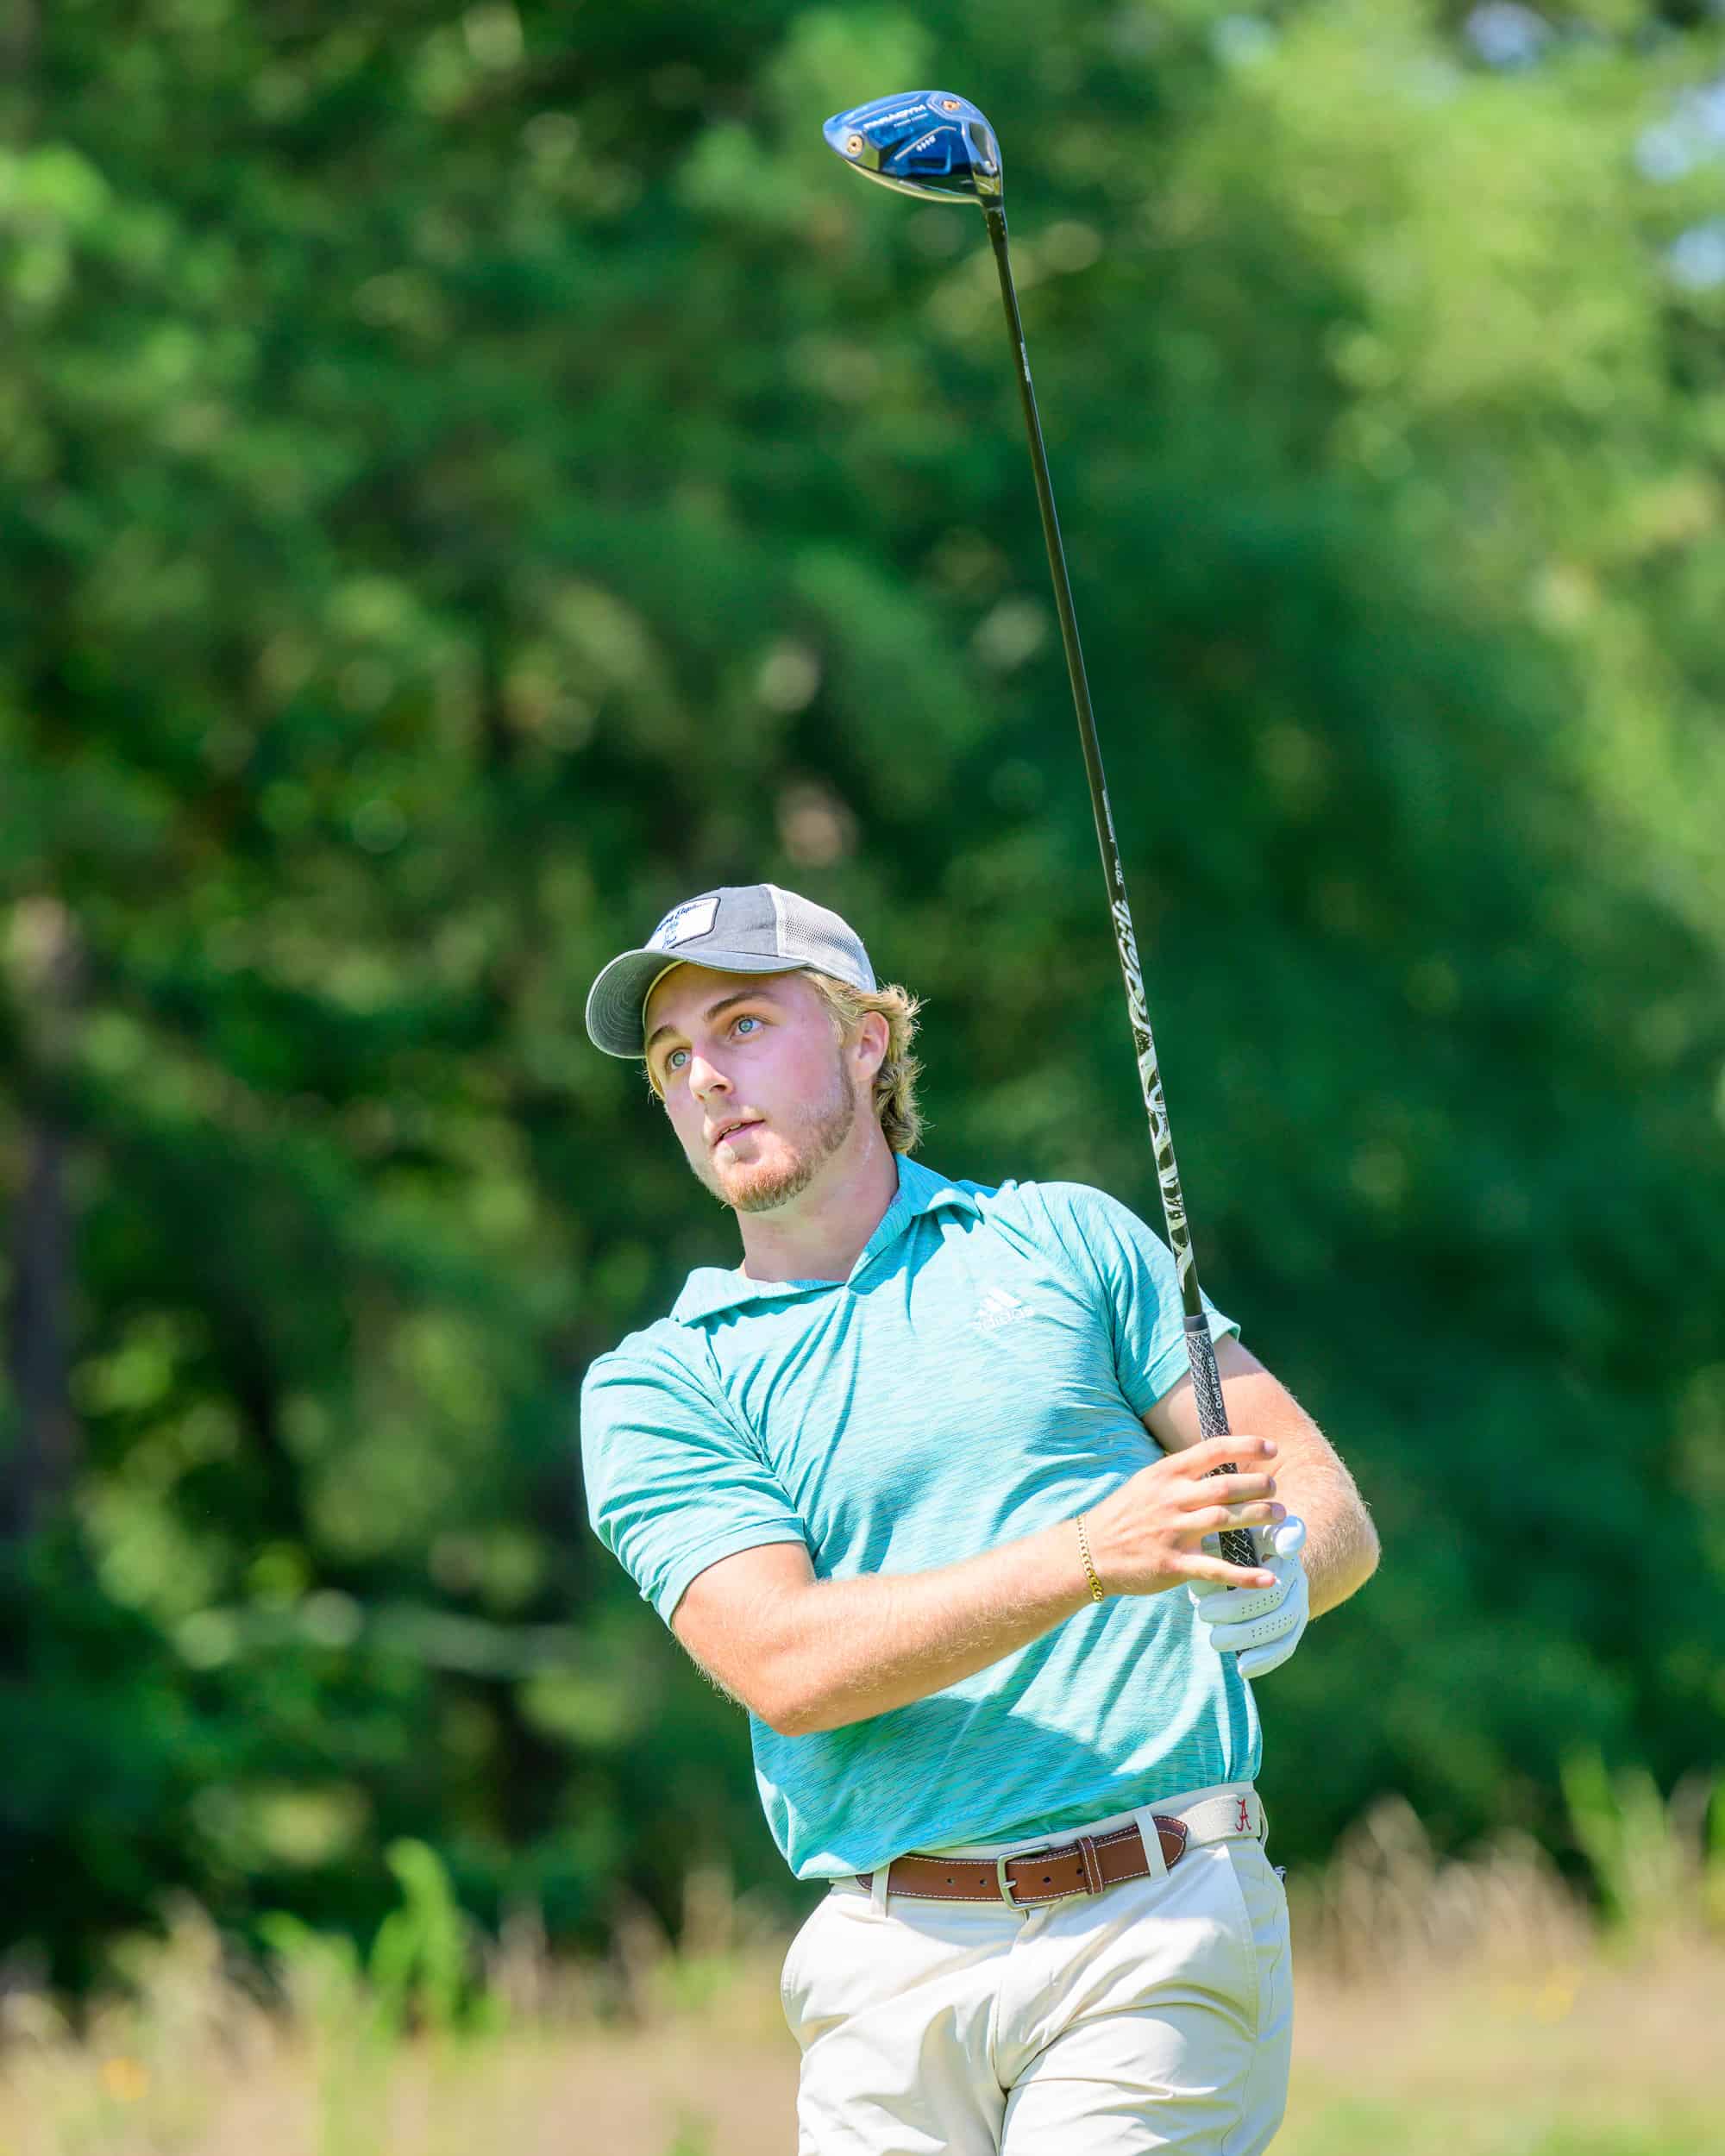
(1261,1625)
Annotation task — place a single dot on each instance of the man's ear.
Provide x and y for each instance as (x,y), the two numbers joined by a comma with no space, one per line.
(874,1038)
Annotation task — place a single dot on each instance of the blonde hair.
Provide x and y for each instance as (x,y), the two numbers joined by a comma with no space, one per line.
(895,1101)
(895,1087)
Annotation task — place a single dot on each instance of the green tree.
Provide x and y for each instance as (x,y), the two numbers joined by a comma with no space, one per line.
(470,479)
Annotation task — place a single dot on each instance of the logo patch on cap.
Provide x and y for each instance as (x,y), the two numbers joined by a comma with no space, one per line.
(695,917)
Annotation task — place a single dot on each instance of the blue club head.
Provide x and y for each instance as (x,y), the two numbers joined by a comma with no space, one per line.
(925,142)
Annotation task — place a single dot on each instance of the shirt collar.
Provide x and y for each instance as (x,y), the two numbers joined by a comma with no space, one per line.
(711,1288)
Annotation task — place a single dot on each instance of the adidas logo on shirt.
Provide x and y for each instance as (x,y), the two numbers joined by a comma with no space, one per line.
(997,1309)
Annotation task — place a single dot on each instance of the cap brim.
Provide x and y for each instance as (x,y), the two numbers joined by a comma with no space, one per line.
(614,1001)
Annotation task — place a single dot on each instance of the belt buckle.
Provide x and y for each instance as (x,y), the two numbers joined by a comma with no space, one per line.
(1006,1885)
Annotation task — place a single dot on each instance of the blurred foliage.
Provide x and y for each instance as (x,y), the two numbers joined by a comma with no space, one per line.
(472,478)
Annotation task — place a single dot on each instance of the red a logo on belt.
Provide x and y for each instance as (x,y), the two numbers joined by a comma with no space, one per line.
(1246,1818)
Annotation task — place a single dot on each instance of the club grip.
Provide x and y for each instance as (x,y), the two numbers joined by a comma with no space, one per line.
(1236,1544)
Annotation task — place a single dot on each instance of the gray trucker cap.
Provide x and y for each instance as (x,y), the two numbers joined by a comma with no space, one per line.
(741,928)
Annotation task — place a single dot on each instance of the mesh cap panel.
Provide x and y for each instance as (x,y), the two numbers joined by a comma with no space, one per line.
(820,939)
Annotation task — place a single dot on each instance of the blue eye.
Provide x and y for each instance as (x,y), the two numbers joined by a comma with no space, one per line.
(742,1022)
(673,1060)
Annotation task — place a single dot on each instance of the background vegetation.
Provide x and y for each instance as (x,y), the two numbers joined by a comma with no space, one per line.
(1445,2009)
(472,478)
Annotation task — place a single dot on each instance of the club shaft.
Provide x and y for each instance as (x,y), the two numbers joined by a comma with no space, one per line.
(1237,1543)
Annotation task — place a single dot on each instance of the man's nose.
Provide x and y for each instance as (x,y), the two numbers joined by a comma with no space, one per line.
(706,1077)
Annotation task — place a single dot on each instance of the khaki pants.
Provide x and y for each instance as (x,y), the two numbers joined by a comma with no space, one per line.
(1157,2015)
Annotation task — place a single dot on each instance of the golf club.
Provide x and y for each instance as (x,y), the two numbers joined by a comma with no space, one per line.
(939,148)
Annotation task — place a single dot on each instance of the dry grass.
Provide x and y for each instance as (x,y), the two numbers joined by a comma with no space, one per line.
(1464,2009)
(1475,2009)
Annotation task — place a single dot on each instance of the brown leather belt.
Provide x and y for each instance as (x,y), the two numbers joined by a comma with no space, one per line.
(1084,1866)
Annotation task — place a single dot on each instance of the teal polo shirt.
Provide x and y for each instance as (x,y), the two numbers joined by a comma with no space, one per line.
(982,1373)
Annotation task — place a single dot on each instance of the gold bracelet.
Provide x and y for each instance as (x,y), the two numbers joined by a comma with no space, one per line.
(1096,1593)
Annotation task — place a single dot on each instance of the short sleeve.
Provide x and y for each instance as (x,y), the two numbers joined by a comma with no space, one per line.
(1132,1272)
(672,1483)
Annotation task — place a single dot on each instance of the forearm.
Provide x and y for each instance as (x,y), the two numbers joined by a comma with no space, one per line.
(1341,1549)
(851,1649)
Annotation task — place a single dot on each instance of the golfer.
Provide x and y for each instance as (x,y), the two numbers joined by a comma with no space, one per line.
(920,1483)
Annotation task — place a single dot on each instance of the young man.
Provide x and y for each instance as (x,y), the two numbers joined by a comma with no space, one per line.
(912,1482)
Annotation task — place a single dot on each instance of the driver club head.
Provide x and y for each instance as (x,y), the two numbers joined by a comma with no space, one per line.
(924,142)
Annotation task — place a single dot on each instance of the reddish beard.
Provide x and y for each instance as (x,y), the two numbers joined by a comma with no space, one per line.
(816,1134)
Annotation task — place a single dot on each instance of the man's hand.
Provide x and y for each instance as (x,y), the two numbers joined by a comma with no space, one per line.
(1263,1625)
(1311,1478)
(1147,1535)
